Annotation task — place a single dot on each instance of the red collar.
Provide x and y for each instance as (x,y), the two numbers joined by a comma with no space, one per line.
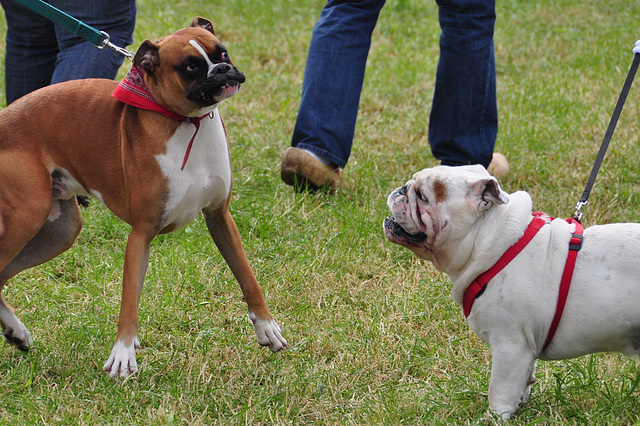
(133,90)
(477,287)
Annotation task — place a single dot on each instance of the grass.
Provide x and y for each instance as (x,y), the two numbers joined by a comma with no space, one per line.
(375,337)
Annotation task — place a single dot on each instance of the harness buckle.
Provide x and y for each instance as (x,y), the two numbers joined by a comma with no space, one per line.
(482,289)
(575,243)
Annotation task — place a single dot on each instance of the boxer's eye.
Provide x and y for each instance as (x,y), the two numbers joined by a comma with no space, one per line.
(225,57)
(192,67)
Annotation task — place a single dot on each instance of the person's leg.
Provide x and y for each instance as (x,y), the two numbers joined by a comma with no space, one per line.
(79,58)
(333,78)
(463,124)
(31,50)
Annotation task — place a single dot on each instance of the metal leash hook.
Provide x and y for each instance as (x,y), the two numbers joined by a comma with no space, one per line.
(121,50)
(609,133)
(578,214)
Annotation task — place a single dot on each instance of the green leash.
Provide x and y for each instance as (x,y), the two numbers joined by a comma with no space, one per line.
(99,38)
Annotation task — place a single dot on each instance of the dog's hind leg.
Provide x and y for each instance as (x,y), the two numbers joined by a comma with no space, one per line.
(56,235)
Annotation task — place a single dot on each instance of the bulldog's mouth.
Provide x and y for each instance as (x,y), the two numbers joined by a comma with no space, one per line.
(393,228)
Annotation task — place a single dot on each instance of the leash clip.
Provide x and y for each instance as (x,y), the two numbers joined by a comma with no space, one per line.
(106,43)
(578,213)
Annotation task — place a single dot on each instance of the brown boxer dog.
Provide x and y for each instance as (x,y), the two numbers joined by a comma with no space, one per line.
(153,149)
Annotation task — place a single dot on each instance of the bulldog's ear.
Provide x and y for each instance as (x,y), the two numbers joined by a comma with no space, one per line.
(202,23)
(488,192)
(147,57)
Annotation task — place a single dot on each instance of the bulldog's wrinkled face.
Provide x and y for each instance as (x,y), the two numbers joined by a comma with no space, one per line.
(190,71)
(439,205)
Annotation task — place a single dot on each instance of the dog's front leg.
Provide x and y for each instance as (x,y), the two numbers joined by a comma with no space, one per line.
(225,234)
(122,360)
(512,369)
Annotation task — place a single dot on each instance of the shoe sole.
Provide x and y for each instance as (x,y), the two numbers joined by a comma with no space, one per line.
(298,182)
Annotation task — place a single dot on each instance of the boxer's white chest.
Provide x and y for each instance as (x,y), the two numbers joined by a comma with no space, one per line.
(206,178)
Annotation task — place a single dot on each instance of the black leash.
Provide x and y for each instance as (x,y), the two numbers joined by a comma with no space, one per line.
(607,137)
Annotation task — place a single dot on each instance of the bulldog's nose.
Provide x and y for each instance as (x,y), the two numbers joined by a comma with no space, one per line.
(402,191)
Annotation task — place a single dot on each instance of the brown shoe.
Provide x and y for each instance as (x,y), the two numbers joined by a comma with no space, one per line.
(304,172)
(499,165)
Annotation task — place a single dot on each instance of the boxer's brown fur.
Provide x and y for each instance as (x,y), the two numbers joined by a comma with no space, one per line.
(74,137)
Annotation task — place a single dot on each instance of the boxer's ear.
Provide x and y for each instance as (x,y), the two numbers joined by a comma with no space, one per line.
(147,57)
(202,23)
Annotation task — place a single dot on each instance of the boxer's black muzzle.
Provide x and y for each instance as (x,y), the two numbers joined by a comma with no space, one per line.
(223,82)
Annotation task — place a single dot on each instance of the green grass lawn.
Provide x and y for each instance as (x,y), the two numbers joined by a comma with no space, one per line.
(374,335)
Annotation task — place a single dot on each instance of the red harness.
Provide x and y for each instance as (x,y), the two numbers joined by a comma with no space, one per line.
(478,286)
(133,90)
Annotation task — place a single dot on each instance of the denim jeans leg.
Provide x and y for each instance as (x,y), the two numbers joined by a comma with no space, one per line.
(333,78)
(31,50)
(40,53)
(463,124)
(79,58)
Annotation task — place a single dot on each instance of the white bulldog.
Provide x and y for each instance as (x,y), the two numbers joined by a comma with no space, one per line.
(461,220)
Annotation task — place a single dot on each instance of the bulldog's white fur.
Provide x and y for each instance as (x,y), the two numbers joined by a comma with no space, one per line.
(460,219)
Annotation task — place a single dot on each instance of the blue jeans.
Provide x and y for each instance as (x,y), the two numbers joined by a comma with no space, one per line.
(40,53)
(464,121)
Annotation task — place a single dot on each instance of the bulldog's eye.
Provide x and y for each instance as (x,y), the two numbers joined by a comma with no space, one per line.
(421,197)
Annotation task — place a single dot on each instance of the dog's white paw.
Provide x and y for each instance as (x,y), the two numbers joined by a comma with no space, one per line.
(122,360)
(268,333)
(497,417)
(14,331)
